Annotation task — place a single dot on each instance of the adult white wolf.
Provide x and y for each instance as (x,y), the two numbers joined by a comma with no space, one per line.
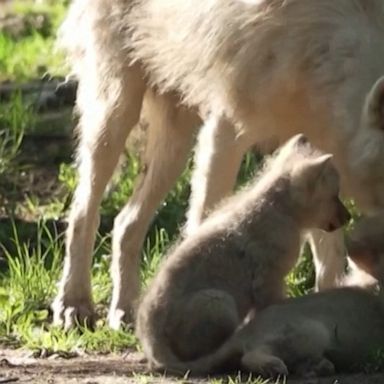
(261,70)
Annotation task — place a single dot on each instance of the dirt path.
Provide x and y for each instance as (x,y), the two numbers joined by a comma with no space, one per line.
(18,367)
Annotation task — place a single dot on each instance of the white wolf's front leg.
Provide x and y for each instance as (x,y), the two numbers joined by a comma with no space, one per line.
(217,161)
(329,257)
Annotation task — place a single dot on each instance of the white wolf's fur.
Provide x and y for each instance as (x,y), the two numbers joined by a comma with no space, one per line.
(263,70)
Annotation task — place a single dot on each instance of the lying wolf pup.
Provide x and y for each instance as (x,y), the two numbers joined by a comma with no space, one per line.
(339,329)
(238,258)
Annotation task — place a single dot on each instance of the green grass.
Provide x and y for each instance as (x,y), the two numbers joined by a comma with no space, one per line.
(30,280)
(14,117)
(239,379)
(30,56)
(244,379)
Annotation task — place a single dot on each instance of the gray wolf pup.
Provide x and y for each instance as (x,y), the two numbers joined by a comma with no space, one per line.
(238,258)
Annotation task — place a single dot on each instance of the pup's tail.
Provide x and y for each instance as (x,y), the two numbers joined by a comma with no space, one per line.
(162,358)
(150,326)
(226,358)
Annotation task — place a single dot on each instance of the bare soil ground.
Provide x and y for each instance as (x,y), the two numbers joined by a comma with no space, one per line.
(17,366)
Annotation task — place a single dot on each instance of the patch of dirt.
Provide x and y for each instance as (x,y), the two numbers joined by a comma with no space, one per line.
(17,366)
(87,369)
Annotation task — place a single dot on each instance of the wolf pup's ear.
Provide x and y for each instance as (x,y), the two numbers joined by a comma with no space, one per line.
(308,171)
(300,139)
(317,165)
(373,115)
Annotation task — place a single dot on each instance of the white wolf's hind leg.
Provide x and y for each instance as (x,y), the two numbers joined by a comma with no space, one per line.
(170,137)
(109,108)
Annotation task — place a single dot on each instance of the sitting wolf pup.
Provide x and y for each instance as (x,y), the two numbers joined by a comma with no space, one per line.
(313,335)
(238,258)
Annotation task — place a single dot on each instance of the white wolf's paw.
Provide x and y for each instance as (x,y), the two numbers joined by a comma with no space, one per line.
(71,313)
(119,318)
